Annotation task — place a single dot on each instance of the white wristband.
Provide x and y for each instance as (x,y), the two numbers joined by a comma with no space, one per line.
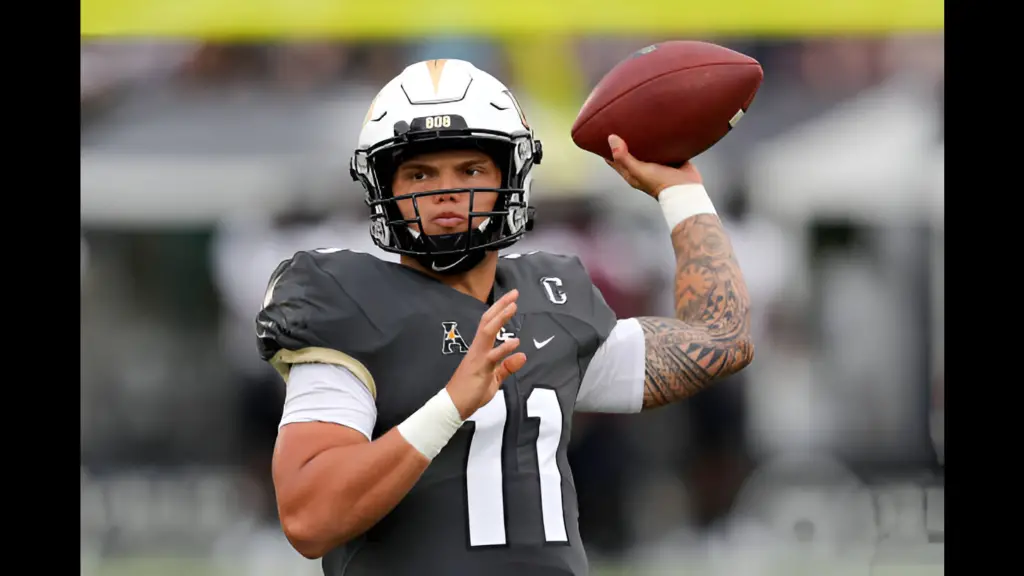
(684,200)
(431,427)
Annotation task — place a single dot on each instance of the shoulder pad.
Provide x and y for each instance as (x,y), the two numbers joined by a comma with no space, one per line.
(562,281)
(533,266)
(308,314)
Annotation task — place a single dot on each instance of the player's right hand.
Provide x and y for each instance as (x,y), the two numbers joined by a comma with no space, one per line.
(485,366)
(646,177)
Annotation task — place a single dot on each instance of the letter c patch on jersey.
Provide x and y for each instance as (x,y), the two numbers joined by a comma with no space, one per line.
(452,341)
(553,288)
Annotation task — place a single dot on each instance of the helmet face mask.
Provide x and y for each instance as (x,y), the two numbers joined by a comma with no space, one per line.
(486,118)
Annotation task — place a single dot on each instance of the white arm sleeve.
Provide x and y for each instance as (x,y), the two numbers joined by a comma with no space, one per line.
(614,381)
(328,393)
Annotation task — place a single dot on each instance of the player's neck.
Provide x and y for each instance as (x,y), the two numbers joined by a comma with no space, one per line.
(477,282)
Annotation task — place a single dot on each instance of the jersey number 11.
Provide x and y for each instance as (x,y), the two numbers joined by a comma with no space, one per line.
(484,486)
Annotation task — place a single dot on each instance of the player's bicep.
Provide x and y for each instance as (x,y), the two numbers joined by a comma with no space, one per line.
(298,444)
(326,407)
(329,393)
(614,379)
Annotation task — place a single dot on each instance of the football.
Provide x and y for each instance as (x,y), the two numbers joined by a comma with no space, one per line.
(669,102)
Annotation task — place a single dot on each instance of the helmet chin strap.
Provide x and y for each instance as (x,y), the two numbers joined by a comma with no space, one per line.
(458,262)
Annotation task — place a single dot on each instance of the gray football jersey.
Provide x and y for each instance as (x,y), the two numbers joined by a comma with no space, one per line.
(499,499)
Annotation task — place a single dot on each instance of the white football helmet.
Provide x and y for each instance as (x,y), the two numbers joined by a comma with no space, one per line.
(444,105)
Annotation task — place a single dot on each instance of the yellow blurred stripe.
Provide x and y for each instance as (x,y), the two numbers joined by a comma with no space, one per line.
(546,68)
(547,79)
(238,19)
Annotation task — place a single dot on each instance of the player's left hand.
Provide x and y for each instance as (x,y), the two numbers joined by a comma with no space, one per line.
(646,177)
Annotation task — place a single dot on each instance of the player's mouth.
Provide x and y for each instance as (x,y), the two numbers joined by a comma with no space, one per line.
(449,220)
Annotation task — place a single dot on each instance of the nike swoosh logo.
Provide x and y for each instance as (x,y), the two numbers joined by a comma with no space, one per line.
(542,344)
(443,268)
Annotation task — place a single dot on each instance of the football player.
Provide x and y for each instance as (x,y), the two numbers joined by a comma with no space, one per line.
(429,403)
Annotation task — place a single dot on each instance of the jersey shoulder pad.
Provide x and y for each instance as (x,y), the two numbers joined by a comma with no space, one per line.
(564,266)
(309,313)
(563,285)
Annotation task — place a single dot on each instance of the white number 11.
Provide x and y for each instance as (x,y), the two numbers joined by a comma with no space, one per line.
(484,491)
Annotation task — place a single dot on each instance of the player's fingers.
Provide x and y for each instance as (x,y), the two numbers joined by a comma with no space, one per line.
(618,168)
(491,328)
(624,173)
(621,155)
(625,164)
(498,352)
(498,306)
(509,366)
(629,178)
(514,363)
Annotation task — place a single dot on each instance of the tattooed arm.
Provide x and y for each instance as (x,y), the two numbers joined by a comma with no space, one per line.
(710,336)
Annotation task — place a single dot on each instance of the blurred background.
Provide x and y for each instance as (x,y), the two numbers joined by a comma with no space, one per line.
(206,163)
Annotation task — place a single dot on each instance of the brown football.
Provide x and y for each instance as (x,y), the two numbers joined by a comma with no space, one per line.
(669,102)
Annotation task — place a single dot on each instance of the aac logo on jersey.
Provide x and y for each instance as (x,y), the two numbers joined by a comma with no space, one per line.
(452,341)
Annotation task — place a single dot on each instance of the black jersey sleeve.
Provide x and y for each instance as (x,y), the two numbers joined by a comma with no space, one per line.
(601,316)
(308,317)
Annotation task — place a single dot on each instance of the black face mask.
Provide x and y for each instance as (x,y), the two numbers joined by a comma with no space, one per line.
(454,253)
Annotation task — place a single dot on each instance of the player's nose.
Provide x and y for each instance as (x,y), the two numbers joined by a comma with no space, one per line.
(448,182)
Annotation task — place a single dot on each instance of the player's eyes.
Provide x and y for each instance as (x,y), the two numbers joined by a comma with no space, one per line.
(473,171)
(418,176)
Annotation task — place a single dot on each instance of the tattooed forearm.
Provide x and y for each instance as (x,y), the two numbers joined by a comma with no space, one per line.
(710,336)
(683,359)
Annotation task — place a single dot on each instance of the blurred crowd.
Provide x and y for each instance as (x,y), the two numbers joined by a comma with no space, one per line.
(828,68)
(171,378)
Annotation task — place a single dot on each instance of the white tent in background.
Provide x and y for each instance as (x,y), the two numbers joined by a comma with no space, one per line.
(151,173)
(872,158)
(171,190)
(194,163)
